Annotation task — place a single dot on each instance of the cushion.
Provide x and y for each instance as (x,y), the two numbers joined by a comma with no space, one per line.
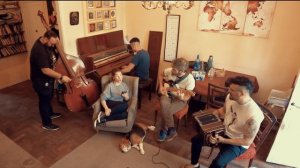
(249,153)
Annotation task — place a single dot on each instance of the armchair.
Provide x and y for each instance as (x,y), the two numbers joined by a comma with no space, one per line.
(125,125)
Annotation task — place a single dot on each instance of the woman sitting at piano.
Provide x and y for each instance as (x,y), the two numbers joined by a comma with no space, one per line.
(113,100)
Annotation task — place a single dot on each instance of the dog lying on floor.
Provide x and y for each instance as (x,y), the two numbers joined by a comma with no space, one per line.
(135,138)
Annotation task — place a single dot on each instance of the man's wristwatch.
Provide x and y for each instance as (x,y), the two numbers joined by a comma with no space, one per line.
(61,77)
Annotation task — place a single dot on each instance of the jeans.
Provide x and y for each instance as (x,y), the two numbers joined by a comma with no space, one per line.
(227,152)
(118,110)
(45,95)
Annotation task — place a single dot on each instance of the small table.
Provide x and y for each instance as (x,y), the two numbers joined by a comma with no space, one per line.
(201,87)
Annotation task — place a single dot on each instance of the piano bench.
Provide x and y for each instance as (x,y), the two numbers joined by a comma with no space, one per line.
(144,84)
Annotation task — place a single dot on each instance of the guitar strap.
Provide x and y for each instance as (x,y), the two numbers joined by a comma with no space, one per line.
(176,82)
(180,79)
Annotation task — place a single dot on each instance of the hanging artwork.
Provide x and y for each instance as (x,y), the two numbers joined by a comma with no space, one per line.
(249,18)
(101,15)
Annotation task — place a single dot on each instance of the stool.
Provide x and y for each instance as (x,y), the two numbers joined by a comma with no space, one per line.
(178,115)
(143,85)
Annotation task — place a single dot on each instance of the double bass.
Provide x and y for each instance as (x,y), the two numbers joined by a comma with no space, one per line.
(81,92)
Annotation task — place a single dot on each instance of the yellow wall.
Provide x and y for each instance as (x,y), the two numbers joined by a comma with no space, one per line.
(15,69)
(273,60)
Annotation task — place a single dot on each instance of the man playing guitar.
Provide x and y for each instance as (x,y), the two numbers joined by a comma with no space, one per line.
(175,96)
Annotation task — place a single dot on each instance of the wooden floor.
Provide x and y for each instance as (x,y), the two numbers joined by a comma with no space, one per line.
(20,121)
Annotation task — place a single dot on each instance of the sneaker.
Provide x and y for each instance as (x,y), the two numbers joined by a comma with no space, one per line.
(162,135)
(190,166)
(51,127)
(171,134)
(100,119)
(55,115)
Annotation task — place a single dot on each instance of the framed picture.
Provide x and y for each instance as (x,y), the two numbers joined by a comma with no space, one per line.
(92,27)
(113,24)
(90,4)
(91,15)
(99,26)
(105,4)
(172,37)
(106,14)
(112,3)
(74,18)
(112,13)
(98,4)
(99,14)
(106,25)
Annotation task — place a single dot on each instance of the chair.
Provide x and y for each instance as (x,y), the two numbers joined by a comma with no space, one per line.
(264,130)
(125,125)
(279,98)
(178,115)
(216,96)
(144,85)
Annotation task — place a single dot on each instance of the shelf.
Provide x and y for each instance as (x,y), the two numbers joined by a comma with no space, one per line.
(12,41)
(2,57)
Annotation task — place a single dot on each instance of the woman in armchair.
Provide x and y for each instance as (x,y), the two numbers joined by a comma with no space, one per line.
(113,100)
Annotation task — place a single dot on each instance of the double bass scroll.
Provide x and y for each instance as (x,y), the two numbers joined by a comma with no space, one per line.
(81,92)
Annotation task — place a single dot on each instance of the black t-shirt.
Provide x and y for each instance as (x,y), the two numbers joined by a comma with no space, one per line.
(41,56)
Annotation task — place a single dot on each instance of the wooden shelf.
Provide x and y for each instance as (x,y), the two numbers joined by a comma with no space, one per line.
(12,41)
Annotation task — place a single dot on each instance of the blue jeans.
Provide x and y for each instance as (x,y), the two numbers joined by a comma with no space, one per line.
(227,152)
(118,110)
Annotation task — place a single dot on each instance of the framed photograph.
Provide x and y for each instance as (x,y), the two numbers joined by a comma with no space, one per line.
(112,13)
(113,24)
(99,26)
(92,27)
(106,14)
(98,4)
(112,3)
(105,4)
(106,25)
(99,14)
(91,15)
(74,18)
(90,4)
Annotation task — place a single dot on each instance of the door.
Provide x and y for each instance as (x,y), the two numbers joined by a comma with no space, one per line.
(286,147)
(33,26)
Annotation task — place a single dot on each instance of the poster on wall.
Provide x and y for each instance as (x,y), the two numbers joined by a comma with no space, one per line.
(101,15)
(248,18)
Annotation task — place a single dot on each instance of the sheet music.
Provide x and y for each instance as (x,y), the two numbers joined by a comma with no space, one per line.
(172,33)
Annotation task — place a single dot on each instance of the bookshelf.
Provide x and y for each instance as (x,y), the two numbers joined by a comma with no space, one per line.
(12,41)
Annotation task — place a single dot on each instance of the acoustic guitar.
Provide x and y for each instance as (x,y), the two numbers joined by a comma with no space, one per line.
(170,91)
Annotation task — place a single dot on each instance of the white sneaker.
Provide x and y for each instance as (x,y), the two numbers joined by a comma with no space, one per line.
(97,119)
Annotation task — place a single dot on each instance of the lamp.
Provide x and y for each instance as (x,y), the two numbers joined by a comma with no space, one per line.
(167,5)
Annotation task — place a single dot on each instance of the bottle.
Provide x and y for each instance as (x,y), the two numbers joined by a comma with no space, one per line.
(209,63)
(197,64)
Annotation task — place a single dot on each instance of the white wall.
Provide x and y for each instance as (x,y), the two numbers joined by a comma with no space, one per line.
(70,33)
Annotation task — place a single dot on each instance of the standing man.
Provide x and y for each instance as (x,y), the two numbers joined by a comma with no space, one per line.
(173,102)
(42,61)
(242,119)
(140,61)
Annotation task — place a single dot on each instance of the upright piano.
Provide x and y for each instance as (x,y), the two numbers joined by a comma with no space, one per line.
(103,52)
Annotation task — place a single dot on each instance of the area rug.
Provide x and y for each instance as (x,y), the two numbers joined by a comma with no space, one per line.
(13,156)
(102,151)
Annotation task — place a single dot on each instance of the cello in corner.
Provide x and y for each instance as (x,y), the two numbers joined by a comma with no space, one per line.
(81,92)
